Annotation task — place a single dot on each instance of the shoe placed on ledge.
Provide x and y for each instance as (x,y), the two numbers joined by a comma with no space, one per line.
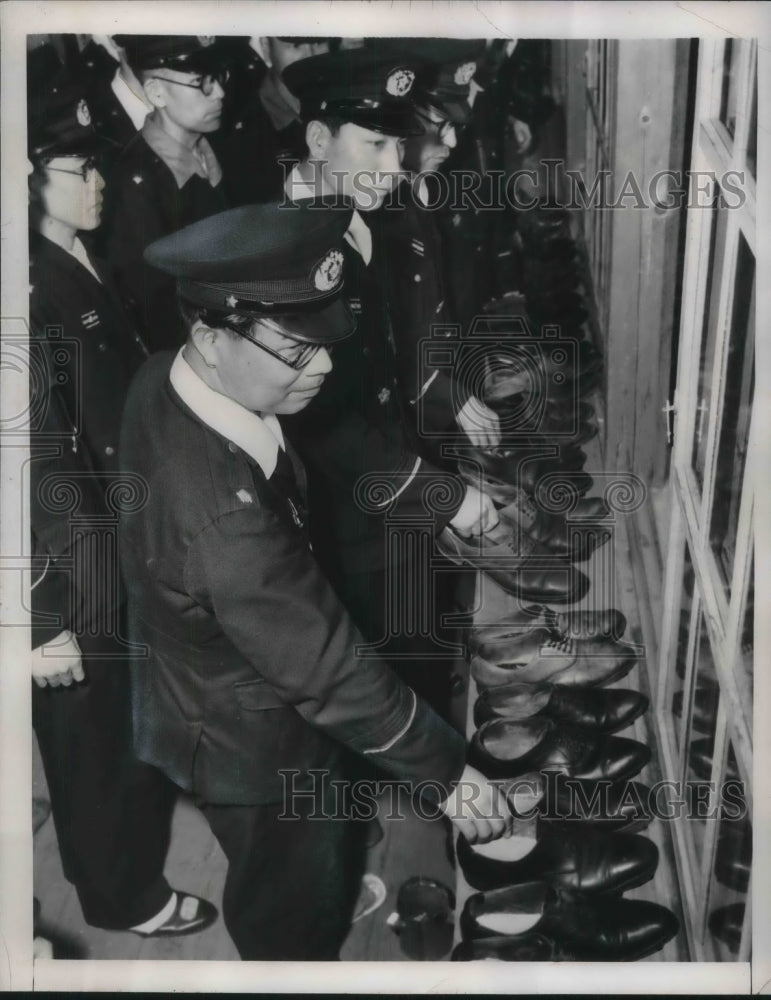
(609,623)
(590,708)
(504,749)
(518,565)
(542,655)
(617,807)
(557,535)
(578,857)
(591,929)
(190,915)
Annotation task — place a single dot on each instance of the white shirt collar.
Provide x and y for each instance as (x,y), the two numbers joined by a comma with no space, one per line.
(259,437)
(358,235)
(134,106)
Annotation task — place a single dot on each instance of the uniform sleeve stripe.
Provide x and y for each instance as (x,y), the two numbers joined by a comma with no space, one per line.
(45,570)
(403,487)
(405,727)
(425,387)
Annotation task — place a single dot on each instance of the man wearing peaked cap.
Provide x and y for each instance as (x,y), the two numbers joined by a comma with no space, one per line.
(449,66)
(359,108)
(112,813)
(252,682)
(168,175)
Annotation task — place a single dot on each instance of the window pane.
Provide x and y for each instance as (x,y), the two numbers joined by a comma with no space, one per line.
(752,135)
(701,703)
(731,868)
(735,418)
(708,337)
(728,89)
(747,638)
(678,678)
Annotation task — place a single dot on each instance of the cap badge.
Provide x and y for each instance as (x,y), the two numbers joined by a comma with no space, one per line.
(205,40)
(400,82)
(328,272)
(464,73)
(231,301)
(83,114)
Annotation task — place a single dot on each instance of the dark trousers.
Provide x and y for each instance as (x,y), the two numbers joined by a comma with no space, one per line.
(291,884)
(112,813)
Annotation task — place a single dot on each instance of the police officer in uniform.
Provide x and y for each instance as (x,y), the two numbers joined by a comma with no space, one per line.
(358,109)
(168,175)
(112,814)
(441,403)
(252,680)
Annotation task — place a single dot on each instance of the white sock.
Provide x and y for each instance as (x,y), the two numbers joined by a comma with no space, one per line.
(160,918)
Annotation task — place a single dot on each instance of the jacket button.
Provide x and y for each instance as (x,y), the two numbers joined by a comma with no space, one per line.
(417,278)
(233,448)
(109,450)
(103,346)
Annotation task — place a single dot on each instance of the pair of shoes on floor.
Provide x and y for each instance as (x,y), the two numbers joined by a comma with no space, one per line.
(517,563)
(503,749)
(570,856)
(537,922)
(541,654)
(605,711)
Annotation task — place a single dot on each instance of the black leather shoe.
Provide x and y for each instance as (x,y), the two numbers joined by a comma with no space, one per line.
(503,749)
(576,857)
(532,576)
(523,948)
(609,623)
(589,708)
(191,914)
(542,655)
(591,929)
(552,531)
(615,807)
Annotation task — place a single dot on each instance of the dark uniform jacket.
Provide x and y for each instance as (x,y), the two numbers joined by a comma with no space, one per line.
(359,446)
(85,354)
(257,148)
(104,350)
(144,202)
(412,264)
(250,664)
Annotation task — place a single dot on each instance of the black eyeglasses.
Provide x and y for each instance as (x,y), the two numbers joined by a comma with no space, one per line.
(205,84)
(84,170)
(298,356)
(446,128)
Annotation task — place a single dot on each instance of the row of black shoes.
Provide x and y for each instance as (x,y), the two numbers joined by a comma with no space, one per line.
(537,371)
(546,728)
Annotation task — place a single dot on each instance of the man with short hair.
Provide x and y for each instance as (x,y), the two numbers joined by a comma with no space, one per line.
(358,111)
(168,175)
(252,686)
